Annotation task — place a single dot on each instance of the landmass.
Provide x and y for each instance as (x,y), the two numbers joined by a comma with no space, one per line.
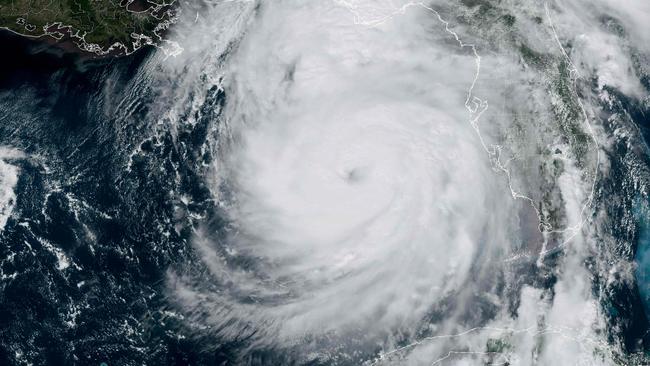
(99,27)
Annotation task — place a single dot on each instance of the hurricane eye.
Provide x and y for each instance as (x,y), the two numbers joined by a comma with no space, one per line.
(354,175)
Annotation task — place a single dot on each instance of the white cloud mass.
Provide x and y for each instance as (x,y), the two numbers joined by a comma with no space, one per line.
(385,168)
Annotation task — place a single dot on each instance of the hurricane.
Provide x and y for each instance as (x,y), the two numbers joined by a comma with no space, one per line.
(375,198)
(331,182)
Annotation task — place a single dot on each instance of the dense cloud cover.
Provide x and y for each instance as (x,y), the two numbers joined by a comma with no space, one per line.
(402,183)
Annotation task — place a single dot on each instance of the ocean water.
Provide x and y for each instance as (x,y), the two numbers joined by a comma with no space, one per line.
(321,184)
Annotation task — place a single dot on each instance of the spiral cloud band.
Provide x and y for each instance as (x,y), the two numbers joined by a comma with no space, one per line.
(375,208)
(359,184)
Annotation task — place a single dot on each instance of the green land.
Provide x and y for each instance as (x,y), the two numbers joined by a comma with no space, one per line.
(100,27)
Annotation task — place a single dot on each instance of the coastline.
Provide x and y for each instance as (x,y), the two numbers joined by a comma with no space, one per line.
(145,25)
(36,58)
